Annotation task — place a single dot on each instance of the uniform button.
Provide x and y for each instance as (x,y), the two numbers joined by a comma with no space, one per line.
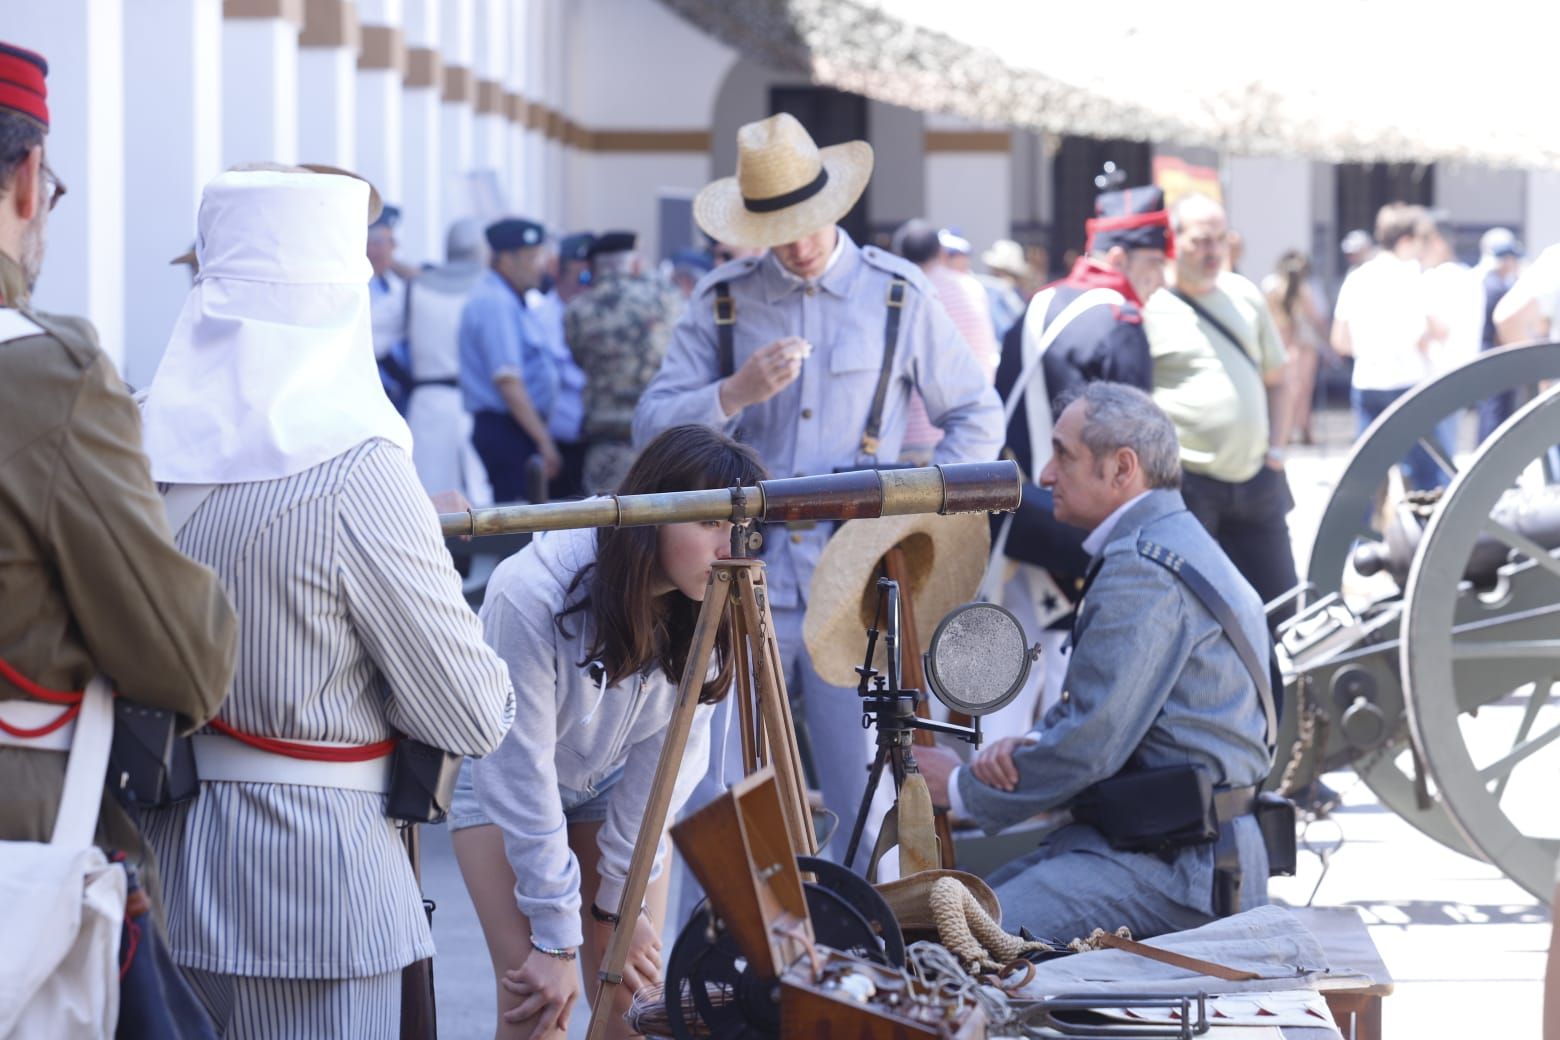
(1066,696)
(796,539)
(812,290)
(806,413)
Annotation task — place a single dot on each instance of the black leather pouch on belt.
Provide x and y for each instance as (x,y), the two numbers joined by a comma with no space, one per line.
(1151,810)
(1276,816)
(149,764)
(422,782)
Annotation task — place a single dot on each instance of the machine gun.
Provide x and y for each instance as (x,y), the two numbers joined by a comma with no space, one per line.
(1409,625)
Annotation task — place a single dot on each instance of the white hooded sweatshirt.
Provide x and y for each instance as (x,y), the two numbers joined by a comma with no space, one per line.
(570,730)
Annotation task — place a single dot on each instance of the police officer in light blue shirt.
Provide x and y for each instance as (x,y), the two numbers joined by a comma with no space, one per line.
(566,422)
(809,352)
(508,377)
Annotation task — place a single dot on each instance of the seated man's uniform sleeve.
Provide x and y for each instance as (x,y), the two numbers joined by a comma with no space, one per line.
(687,387)
(156,622)
(1118,678)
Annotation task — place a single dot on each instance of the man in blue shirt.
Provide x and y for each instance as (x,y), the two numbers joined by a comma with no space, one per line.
(567,420)
(1154,681)
(508,377)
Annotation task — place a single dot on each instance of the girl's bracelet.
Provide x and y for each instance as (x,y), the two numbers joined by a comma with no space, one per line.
(564,954)
(605,918)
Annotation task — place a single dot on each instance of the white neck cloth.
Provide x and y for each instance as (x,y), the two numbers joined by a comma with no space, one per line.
(270,368)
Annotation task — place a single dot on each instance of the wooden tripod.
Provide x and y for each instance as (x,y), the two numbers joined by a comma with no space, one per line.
(736,595)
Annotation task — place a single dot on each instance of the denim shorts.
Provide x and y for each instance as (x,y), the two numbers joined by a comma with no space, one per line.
(578,806)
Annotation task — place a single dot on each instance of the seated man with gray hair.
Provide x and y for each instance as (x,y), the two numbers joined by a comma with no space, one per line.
(1161,735)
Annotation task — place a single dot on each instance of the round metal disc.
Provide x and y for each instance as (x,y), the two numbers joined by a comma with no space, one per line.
(978,658)
(1461,651)
(731,999)
(867,901)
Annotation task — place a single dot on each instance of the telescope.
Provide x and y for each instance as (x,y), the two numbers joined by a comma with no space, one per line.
(964,487)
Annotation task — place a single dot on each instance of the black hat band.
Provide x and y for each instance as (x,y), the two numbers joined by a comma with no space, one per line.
(790,198)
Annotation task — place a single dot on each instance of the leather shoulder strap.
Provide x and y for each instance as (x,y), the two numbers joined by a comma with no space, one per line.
(896,307)
(1223,329)
(1216,605)
(725,330)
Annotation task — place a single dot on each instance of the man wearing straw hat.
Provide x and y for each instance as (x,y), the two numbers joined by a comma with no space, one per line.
(809,352)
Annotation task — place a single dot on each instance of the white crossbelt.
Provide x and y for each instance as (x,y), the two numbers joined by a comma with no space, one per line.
(223,759)
(32,715)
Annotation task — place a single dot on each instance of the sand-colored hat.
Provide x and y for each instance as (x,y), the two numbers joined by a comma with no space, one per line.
(911,899)
(786,187)
(1008,256)
(376,204)
(946,557)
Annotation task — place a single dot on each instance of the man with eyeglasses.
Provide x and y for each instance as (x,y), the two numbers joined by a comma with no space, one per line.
(89,576)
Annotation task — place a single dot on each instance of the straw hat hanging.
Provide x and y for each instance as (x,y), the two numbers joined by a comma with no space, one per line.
(786,187)
(946,557)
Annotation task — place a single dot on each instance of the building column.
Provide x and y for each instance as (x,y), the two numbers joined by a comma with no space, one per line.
(381,68)
(515,186)
(490,150)
(83,271)
(422,217)
(260,80)
(969,179)
(456,113)
(558,120)
(173,123)
(327,83)
(1251,183)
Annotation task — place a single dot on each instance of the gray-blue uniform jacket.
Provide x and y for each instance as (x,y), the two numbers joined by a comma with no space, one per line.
(1153,681)
(815,425)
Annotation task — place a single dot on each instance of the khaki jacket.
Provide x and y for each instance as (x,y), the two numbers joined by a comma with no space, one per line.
(89,577)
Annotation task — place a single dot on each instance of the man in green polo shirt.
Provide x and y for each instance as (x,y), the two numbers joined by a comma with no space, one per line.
(1219,374)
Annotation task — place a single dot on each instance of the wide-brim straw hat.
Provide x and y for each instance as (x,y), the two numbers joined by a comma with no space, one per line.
(786,187)
(945,555)
(910,898)
(376,204)
(1006,255)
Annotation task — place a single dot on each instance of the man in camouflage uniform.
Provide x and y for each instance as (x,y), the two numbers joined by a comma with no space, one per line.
(617,331)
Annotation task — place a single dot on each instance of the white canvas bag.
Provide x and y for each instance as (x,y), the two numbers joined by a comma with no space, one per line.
(64,904)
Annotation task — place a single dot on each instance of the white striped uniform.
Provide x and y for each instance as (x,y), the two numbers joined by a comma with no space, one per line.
(351,626)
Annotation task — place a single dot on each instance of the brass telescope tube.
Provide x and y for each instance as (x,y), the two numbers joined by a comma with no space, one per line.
(963,487)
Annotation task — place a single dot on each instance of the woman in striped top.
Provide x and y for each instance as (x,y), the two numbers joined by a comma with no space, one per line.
(596,629)
(290,901)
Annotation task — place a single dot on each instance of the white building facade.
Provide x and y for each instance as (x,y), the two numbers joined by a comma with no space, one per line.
(584,114)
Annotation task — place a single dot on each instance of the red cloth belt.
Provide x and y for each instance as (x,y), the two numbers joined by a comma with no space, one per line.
(292,749)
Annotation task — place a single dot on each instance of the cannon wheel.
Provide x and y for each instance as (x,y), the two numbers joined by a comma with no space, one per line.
(1464,650)
(1348,519)
(1348,516)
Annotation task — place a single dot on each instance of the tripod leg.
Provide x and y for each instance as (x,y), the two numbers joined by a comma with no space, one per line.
(653,823)
(751,747)
(873,778)
(758,625)
(792,745)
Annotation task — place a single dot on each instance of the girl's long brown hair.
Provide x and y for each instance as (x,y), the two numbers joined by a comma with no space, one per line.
(630,628)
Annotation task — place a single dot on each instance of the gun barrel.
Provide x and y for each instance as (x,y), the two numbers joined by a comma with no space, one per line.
(968,487)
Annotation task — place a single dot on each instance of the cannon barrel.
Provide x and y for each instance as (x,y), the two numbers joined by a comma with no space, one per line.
(1533,513)
(966,487)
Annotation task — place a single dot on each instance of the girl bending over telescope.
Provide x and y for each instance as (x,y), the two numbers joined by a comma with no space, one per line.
(596,627)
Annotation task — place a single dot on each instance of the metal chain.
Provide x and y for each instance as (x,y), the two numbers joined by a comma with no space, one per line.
(1305,736)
